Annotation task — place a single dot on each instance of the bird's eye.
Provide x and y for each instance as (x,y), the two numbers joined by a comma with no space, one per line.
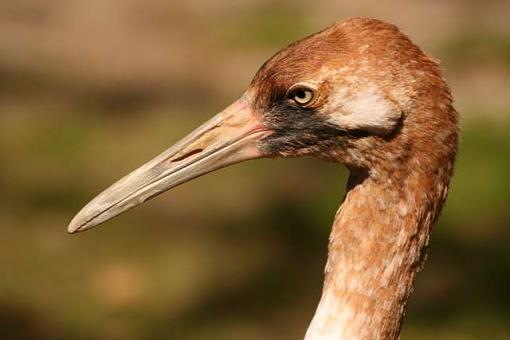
(301,95)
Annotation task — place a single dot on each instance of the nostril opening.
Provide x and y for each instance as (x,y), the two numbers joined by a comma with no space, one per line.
(186,155)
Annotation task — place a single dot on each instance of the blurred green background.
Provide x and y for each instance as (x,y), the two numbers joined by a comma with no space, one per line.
(89,89)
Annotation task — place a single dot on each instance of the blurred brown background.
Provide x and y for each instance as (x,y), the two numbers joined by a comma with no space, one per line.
(91,89)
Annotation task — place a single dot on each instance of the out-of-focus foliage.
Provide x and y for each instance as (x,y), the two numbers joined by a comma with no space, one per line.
(91,89)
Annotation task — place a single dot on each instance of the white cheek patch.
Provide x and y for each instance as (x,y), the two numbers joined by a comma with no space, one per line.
(367,109)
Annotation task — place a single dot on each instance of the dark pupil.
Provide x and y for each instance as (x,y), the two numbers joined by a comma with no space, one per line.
(301,94)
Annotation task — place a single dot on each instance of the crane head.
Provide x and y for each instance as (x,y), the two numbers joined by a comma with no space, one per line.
(345,94)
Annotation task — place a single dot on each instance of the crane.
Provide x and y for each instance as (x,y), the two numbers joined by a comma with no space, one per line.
(359,93)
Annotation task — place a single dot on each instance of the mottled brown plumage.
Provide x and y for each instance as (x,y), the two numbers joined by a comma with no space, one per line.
(399,176)
(359,93)
(399,171)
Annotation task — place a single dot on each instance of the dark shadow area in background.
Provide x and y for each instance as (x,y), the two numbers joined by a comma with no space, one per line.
(21,322)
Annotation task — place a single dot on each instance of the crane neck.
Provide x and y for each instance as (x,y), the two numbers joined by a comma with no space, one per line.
(377,244)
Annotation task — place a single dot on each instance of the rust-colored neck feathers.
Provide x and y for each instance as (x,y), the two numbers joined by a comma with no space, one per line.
(376,246)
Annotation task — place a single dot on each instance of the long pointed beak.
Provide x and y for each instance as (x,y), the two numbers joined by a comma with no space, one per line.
(229,137)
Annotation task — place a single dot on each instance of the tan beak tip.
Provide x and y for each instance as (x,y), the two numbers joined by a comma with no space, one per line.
(79,224)
(74,227)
